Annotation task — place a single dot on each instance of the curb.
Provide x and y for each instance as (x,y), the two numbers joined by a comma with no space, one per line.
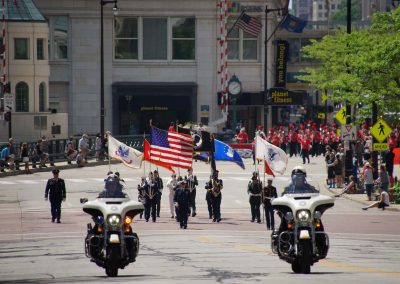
(60,167)
(348,197)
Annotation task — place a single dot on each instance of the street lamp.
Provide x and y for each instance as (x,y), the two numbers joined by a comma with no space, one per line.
(115,10)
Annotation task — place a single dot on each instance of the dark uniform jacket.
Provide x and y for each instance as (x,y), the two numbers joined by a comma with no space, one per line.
(55,189)
(182,197)
(269,192)
(254,188)
(214,186)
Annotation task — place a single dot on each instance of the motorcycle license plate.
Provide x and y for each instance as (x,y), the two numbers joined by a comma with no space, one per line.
(304,235)
(114,239)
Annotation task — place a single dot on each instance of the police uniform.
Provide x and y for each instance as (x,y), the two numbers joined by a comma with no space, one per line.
(150,205)
(191,181)
(269,192)
(56,193)
(254,189)
(208,198)
(215,186)
(159,186)
(182,200)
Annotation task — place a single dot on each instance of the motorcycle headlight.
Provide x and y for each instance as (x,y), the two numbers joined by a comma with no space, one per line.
(303,215)
(114,220)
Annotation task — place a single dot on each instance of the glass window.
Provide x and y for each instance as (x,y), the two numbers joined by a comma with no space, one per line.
(21,48)
(40,122)
(294,50)
(183,38)
(22,97)
(42,97)
(40,49)
(241,45)
(126,38)
(59,37)
(154,39)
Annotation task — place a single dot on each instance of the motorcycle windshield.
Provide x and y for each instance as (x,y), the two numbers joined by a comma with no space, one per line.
(299,185)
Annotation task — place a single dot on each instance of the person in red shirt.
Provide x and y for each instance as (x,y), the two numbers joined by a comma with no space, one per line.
(305,148)
(293,143)
(171,127)
(242,137)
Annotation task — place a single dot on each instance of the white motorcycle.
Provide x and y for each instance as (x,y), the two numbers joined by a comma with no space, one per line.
(301,239)
(111,243)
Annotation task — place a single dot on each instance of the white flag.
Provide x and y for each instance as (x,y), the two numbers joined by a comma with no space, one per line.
(129,156)
(274,156)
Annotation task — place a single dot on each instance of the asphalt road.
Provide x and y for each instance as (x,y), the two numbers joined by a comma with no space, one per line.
(365,246)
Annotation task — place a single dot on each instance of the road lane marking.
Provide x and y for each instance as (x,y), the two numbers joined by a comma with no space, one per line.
(328,263)
(77,180)
(7,182)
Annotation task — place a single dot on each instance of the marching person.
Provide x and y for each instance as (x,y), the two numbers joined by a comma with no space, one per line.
(56,193)
(141,193)
(171,184)
(215,185)
(191,181)
(182,203)
(268,194)
(150,194)
(159,187)
(208,198)
(254,189)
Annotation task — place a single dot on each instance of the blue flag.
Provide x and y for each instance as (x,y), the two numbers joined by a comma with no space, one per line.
(224,152)
(293,24)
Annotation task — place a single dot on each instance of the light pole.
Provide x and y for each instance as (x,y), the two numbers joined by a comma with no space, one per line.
(115,10)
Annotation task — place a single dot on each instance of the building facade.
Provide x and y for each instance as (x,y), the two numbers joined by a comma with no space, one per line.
(25,73)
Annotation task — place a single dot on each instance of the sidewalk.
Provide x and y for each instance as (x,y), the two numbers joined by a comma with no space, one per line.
(360,198)
(59,165)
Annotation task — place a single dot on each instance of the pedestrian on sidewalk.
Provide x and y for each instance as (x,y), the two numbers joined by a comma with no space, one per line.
(25,157)
(56,193)
(383,178)
(350,188)
(368,179)
(382,202)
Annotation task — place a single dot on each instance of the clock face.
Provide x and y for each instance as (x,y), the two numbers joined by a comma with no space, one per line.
(234,88)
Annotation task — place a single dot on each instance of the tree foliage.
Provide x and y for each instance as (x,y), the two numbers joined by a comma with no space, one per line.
(361,67)
(341,14)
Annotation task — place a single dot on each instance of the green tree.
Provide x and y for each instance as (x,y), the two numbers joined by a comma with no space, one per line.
(361,67)
(341,15)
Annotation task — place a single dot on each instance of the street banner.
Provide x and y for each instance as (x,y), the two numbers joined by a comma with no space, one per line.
(282,54)
(129,156)
(275,156)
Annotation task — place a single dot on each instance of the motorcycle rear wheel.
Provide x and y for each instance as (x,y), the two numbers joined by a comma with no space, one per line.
(112,261)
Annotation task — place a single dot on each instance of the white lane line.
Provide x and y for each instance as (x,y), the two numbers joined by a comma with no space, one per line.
(238,178)
(238,201)
(130,179)
(7,182)
(98,179)
(28,181)
(77,180)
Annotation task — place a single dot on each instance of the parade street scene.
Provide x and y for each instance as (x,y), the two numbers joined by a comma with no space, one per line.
(209,141)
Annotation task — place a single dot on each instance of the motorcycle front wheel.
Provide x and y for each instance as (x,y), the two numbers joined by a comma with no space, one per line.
(112,262)
(302,263)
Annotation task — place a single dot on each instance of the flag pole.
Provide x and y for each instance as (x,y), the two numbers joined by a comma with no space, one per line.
(108,152)
(144,161)
(233,26)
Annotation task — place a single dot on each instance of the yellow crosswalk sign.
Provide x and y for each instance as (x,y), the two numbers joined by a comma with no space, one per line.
(341,115)
(321,115)
(381,130)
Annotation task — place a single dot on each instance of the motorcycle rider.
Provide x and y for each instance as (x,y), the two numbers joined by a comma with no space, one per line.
(299,183)
(112,188)
(254,189)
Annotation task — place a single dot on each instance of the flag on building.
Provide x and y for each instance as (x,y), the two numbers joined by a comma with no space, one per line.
(294,24)
(274,156)
(171,148)
(224,152)
(129,156)
(146,157)
(249,24)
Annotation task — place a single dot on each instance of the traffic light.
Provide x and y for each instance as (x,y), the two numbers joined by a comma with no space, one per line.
(7,116)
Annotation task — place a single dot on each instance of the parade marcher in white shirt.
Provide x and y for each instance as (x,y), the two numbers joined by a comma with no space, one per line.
(171,184)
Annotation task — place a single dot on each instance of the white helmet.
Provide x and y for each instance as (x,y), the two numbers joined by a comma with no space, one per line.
(299,170)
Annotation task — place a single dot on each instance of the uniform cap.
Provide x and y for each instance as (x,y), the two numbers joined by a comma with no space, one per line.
(55,171)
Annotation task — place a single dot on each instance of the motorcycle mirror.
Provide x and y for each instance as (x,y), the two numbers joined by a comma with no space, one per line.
(83,200)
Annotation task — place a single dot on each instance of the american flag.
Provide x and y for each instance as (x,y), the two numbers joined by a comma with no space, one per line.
(249,24)
(171,148)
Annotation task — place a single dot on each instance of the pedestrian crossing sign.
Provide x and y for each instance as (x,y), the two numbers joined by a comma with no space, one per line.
(380,130)
(341,115)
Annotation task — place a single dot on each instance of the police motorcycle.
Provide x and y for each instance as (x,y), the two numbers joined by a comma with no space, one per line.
(110,242)
(301,239)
